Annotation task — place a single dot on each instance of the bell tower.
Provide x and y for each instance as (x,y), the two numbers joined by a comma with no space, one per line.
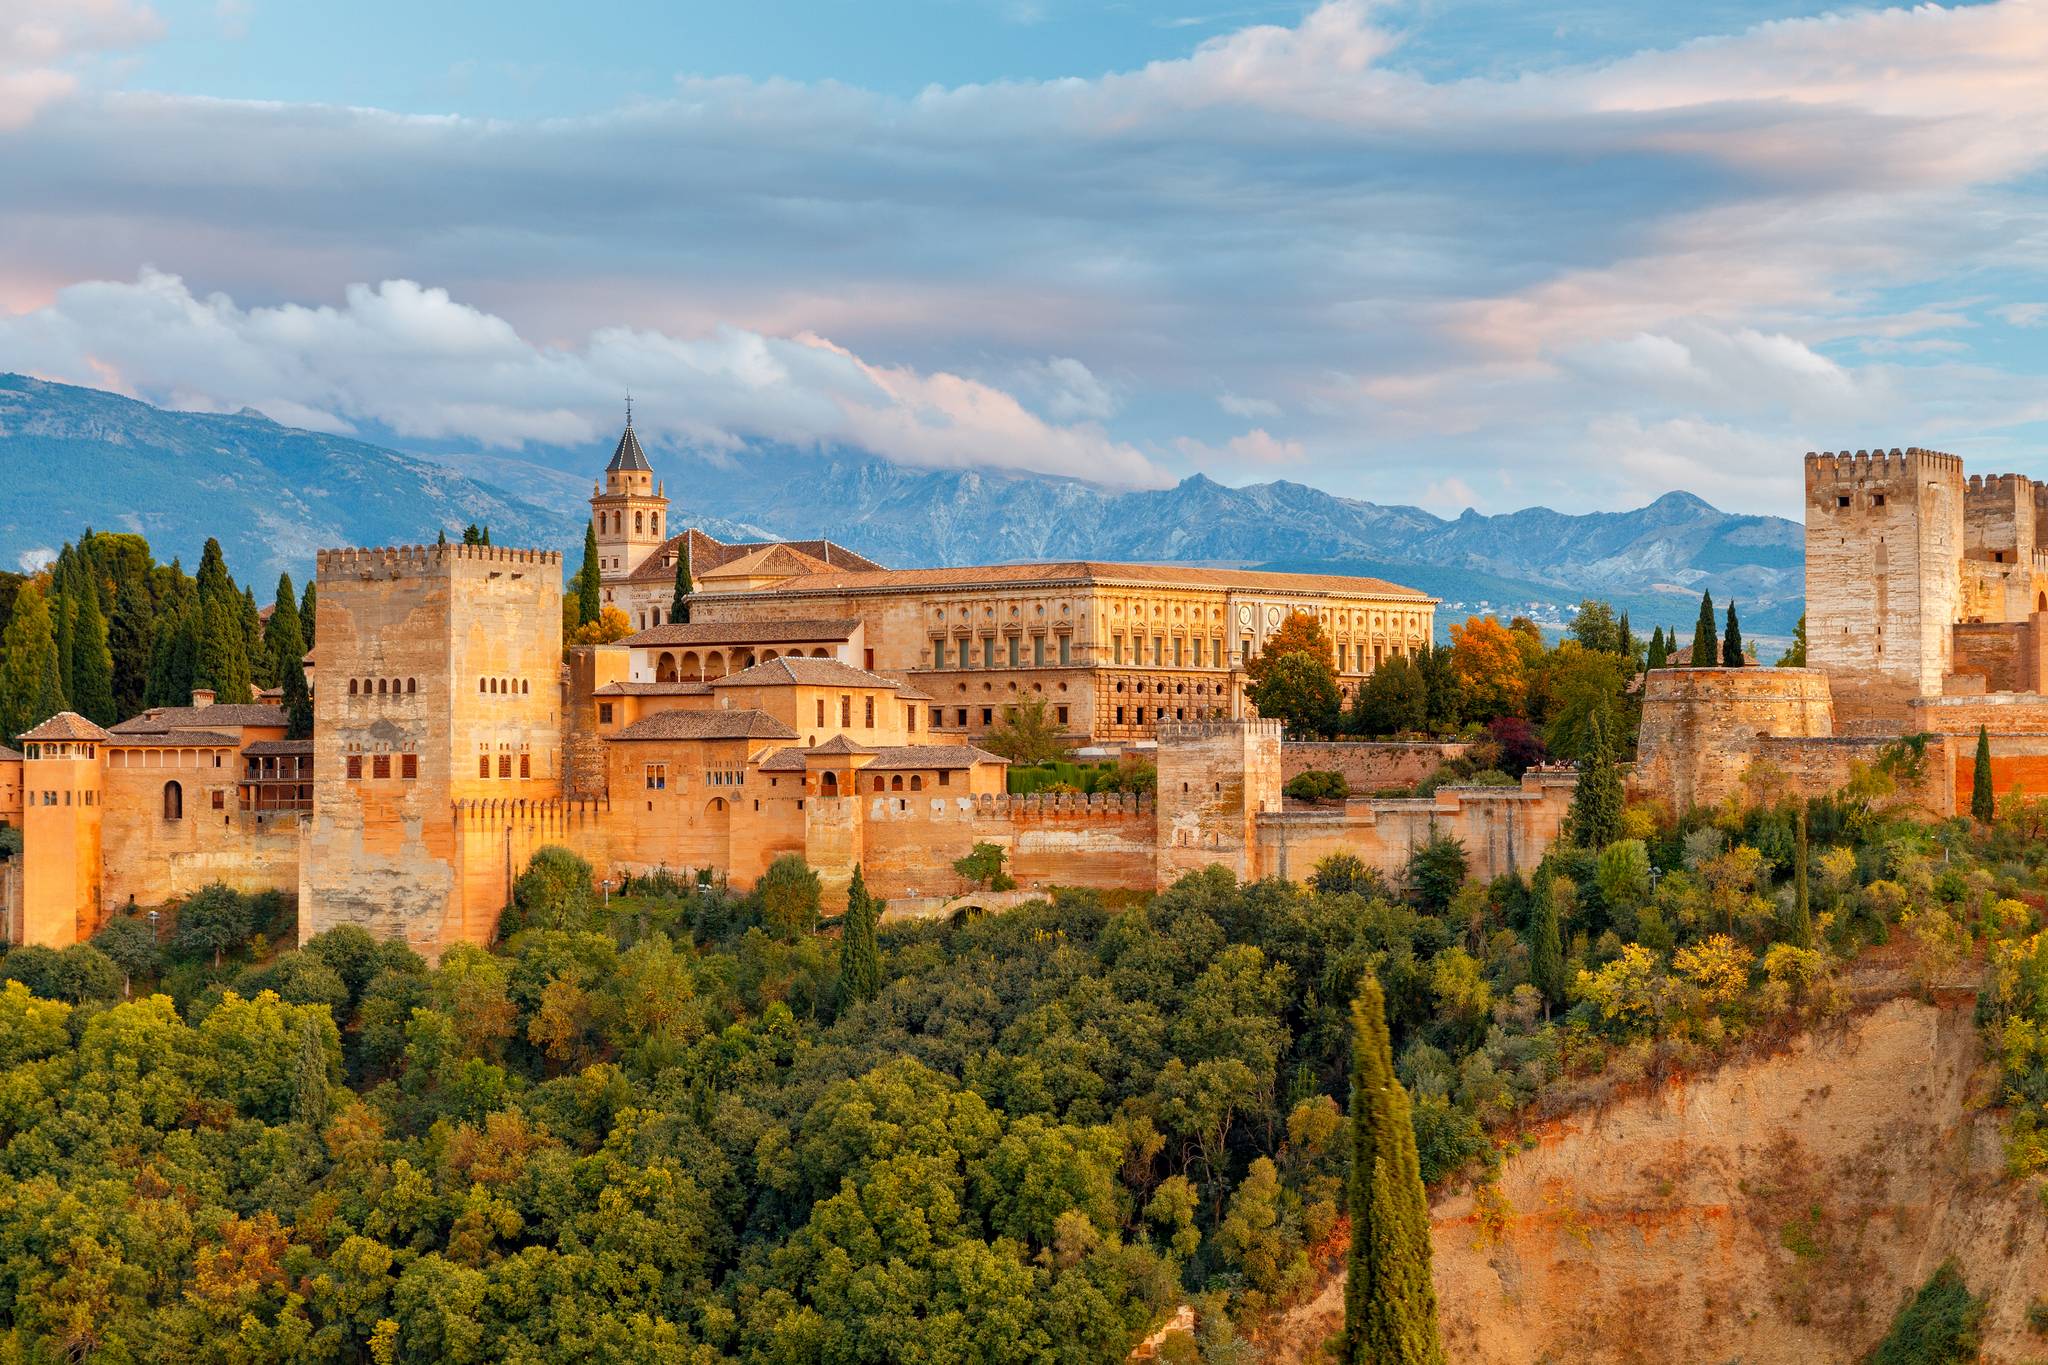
(628,509)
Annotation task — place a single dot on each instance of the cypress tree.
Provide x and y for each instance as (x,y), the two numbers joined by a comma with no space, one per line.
(131,633)
(260,672)
(472,536)
(487,533)
(442,539)
(1628,638)
(1594,820)
(298,704)
(1389,1298)
(213,572)
(1731,643)
(1659,654)
(1706,649)
(1801,933)
(28,663)
(284,644)
(309,603)
(64,632)
(1982,805)
(1546,950)
(309,1079)
(860,958)
(588,604)
(223,662)
(679,605)
(92,689)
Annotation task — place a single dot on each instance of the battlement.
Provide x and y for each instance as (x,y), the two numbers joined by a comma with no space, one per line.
(1830,469)
(403,561)
(1998,485)
(1187,731)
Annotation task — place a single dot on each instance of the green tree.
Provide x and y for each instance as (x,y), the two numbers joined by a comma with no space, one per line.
(589,601)
(1795,657)
(1445,688)
(1389,1297)
(223,663)
(1299,690)
(130,634)
(1394,700)
(64,631)
(1626,640)
(860,957)
(212,920)
(679,605)
(260,674)
(92,694)
(1436,870)
(1594,820)
(1983,806)
(1800,932)
(1941,1325)
(789,897)
(983,866)
(30,691)
(309,605)
(174,661)
(1027,733)
(1731,643)
(1594,626)
(1546,947)
(1660,652)
(471,535)
(131,945)
(284,640)
(1706,648)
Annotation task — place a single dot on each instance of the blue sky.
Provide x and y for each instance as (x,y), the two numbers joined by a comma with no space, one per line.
(1446,253)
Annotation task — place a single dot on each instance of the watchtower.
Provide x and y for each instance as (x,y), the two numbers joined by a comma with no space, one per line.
(1216,777)
(628,509)
(437,674)
(1884,545)
(60,830)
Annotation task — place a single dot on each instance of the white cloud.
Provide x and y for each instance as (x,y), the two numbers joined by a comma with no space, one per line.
(2024,314)
(42,42)
(1067,390)
(1237,405)
(423,365)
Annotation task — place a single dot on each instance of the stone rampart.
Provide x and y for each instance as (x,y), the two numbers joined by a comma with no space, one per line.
(1370,766)
(1504,829)
(1702,726)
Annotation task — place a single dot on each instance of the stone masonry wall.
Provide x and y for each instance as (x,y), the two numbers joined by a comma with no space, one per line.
(1701,726)
(1369,767)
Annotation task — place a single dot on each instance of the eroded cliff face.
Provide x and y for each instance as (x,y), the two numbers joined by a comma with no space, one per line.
(1775,1211)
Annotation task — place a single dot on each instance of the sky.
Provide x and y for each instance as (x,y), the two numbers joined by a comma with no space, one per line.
(1454,253)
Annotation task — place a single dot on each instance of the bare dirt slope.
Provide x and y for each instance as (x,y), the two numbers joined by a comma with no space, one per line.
(1775,1211)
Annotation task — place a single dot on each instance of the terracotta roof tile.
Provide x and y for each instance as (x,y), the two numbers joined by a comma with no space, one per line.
(900,756)
(1094,571)
(708,553)
(792,672)
(270,748)
(653,689)
(202,739)
(745,632)
(705,725)
(771,559)
(222,715)
(8,755)
(840,744)
(66,725)
(783,761)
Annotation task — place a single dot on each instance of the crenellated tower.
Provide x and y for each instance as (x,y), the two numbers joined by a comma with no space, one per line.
(1884,546)
(629,509)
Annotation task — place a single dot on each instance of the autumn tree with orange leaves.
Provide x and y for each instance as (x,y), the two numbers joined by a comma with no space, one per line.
(1488,660)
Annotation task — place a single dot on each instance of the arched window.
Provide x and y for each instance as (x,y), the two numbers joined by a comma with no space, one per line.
(665,667)
(916,783)
(382,687)
(525,687)
(174,801)
(654,522)
(483,685)
(639,523)
(412,685)
(896,783)
(351,687)
(828,784)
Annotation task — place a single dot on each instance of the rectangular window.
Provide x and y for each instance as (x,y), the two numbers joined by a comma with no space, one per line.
(1116,648)
(910,719)
(504,765)
(657,777)
(1066,649)
(380,766)
(938,654)
(988,716)
(355,767)
(483,765)
(1119,715)
(988,653)
(526,765)
(1197,647)
(1158,650)
(604,713)
(945,778)
(1038,650)
(409,766)
(868,713)
(846,713)
(962,714)
(1176,651)
(938,716)
(1061,712)
(821,710)
(220,799)
(1013,651)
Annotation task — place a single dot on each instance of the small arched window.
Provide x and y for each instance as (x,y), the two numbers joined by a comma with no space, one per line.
(174,801)
(639,523)
(482,685)
(412,685)
(351,687)
(525,687)
(916,783)
(382,687)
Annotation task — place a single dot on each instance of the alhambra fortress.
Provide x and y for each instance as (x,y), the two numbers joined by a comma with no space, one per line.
(820,704)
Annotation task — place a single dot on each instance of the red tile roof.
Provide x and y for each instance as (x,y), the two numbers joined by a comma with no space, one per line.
(745,632)
(1094,571)
(66,725)
(705,725)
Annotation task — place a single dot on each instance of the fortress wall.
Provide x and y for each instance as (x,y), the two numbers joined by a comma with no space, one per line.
(2019,765)
(1997,652)
(913,838)
(149,860)
(2001,713)
(1504,829)
(1370,767)
(1216,778)
(1701,726)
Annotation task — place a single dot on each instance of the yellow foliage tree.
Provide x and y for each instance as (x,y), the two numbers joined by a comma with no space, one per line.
(1300,633)
(610,626)
(1487,658)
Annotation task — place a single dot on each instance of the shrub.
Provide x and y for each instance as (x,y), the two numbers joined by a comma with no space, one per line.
(1940,1326)
(1318,784)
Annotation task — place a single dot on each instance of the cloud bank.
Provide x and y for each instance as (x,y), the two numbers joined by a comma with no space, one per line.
(1284,252)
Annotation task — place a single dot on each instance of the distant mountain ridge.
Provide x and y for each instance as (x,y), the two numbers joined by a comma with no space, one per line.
(274,494)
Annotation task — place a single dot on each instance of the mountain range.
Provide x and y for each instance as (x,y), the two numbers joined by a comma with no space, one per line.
(273,495)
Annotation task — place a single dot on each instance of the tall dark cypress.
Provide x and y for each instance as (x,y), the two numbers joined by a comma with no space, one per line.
(1731,643)
(1801,931)
(284,643)
(679,605)
(1659,653)
(588,603)
(92,675)
(1546,949)
(1982,804)
(131,633)
(1706,648)
(64,624)
(860,958)
(1389,1297)
(1626,644)
(309,610)
(1594,820)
